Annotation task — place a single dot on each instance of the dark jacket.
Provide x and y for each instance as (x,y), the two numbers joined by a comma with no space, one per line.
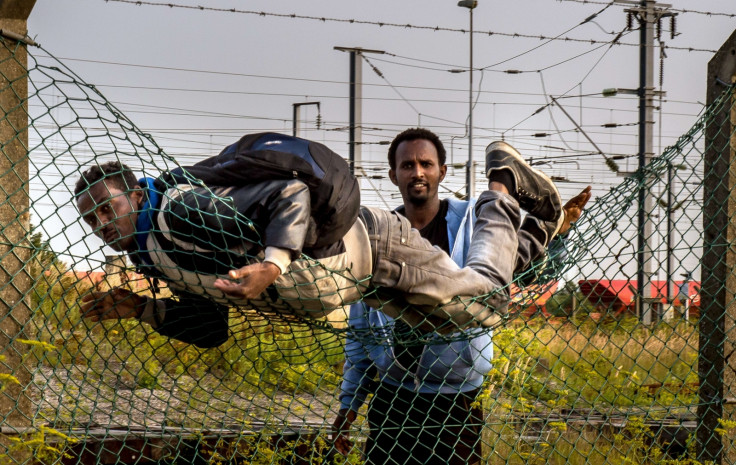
(189,237)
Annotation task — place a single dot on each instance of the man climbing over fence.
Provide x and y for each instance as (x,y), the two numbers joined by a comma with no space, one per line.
(219,243)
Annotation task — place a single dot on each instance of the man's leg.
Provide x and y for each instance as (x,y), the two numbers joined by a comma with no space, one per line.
(531,244)
(422,276)
(536,193)
(535,236)
(393,432)
(451,432)
(426,278)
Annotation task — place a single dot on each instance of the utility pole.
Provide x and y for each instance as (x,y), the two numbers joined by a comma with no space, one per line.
(648,13)
(295,116)
(356,103)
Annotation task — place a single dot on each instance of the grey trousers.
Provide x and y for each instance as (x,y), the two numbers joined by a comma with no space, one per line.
(420,283)
(530,248)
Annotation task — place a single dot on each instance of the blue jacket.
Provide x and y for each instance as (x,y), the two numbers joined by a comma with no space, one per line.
(446,367)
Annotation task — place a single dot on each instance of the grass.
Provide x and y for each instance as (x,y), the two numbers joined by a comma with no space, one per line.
(588,365)
(566,392)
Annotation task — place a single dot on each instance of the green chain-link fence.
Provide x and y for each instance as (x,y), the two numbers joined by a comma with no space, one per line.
(585,369)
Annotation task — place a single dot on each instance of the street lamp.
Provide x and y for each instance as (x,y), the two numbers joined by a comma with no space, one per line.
(470,175)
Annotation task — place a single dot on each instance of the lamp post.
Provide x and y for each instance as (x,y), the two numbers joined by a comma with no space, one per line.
(470,174)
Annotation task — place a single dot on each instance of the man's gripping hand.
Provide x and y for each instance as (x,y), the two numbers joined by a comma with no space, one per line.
(574,207)
(341,430)
(249,281)
(117,303)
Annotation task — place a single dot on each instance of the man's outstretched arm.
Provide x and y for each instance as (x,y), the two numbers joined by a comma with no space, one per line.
(115,304)
(191,319)
(278,209)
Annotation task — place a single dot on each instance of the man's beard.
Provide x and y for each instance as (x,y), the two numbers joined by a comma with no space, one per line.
(418,201)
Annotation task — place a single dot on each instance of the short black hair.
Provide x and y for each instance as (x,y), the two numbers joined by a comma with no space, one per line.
(117,174)
(414,134)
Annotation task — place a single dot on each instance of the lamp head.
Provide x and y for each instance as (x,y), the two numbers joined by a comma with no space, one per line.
(470,4)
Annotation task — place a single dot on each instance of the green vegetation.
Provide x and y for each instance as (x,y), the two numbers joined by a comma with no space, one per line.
(567,393)
(567,301)
(261,354)
(614,363)
(46,446)
(265,450)
(271,374)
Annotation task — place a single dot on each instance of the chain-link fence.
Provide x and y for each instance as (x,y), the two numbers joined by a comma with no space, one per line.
(612,351)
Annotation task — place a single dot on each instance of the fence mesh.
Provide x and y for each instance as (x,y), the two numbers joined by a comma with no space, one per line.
(585,368)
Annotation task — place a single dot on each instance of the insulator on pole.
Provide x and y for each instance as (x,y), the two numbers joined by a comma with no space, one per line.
(673,26)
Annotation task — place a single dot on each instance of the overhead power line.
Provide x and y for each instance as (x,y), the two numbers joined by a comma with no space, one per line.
(564,94)
(325,19)
(449,68)
(380,74)
(319,81)
(323,96)
(551,39)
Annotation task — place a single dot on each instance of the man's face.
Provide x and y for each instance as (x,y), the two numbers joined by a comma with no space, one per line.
(418,172)
(111,214)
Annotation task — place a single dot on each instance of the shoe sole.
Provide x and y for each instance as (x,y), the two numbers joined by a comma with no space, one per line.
(506,148)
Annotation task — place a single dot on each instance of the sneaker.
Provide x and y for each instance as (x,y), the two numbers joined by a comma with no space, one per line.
(535,192)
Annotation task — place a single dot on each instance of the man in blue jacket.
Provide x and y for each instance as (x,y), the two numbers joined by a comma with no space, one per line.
(422,409)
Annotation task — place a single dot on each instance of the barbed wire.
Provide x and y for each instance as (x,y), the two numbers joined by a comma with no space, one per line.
(679,10)
(325,19)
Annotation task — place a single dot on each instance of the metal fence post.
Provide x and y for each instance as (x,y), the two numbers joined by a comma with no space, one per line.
(718,307)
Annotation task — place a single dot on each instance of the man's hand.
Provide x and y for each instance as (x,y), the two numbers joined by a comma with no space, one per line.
(574,208)
(117,303)
(250,281)
(341,430)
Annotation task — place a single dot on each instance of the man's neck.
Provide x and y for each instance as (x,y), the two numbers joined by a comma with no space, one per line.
(421,215)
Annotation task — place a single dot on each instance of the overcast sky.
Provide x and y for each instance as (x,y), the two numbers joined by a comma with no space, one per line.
(199,78)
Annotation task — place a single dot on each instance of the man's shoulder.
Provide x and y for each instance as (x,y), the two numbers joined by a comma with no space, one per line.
(453,200)
(457,206)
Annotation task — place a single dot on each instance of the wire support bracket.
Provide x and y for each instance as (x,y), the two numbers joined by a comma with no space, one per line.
(19,37)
